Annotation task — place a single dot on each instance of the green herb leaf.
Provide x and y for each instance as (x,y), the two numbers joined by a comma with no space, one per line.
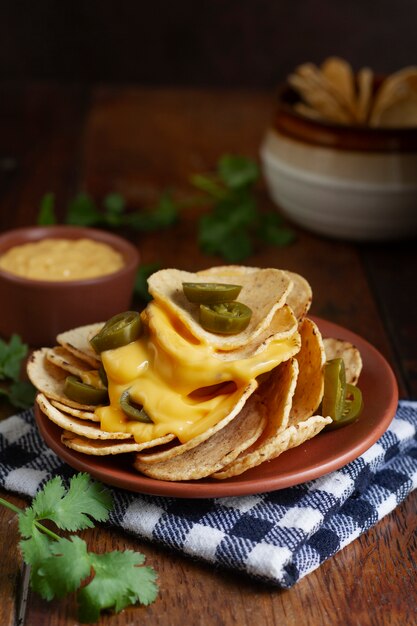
(46,215)
(11,357)
(106,591)
(22,394)
(62,565)
(237,171)
(69,510)
(82,211)
(141,280)
(67,567)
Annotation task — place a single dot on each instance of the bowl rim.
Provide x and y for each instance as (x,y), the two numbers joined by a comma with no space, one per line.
(29,234)
(324,133)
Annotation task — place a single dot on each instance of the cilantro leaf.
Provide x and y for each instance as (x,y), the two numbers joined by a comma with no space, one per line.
(67,567)
(141,280)
(70,510)
(46,215)
(22,394)
(82,211)
(36,550)
(237,171)
(11,357)
(107,591)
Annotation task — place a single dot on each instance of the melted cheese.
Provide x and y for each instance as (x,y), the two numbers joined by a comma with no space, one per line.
(61,259)
(181,383)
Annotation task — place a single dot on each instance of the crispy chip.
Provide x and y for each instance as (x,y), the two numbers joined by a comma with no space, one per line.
(213,453)
(75,425)
(300,296)
(98,447)
(84,415)
(311,358)
(263,290)
(50,379)
(180,449)
(77,341)
(338,348)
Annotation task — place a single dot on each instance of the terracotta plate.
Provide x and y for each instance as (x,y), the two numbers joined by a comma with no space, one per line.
(325,453)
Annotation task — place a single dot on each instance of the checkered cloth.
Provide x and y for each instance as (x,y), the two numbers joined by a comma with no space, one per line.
(278,537)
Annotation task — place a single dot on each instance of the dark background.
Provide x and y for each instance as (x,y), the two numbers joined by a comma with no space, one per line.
(235,43)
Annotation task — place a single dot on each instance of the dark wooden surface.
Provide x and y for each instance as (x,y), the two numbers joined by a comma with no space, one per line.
(139,142)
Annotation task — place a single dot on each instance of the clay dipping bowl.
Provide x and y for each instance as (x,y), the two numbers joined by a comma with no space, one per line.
(348,182)
(38,310)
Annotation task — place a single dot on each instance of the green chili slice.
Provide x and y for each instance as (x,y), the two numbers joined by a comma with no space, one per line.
(133,410)
(334,389)
(210,293)
(80,392)
(225,318)
(118,331)
(352,408)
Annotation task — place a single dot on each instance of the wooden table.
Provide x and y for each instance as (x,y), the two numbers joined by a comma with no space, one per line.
(138,142)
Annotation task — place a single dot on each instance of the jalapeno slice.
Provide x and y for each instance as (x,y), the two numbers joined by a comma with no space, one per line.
(210,293)
(352,409)
(118,331)
(334,389)
(225,318)
(133,410)
(80,392)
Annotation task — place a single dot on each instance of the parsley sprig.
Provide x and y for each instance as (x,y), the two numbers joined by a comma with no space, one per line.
(62,565)
(19,393)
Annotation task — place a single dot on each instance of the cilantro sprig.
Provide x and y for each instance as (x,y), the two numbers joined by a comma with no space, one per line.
(83,211)
(234,222)
(231,227)
(62,565)
(19,393)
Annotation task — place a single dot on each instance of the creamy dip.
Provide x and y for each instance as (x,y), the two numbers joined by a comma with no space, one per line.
(61,259)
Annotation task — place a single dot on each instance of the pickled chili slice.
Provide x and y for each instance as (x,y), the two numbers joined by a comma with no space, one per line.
(83,393)
(210,293)
(118,331)
(225,318)
(352,409)
(334,394)
(133,410)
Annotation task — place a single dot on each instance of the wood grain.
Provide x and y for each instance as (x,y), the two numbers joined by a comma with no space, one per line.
(138,142)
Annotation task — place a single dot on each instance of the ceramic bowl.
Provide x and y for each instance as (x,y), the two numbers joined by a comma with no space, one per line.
(349,182)
(38,310)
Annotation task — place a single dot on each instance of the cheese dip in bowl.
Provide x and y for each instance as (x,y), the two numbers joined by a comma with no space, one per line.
(53,277)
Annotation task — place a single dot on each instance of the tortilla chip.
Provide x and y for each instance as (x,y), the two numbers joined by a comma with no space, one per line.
(98,447)
(180,449)
(310,382)
(77,341)
(263,290)
(283,327)
(50,380)
(75,425)
(291,437)
(338,348)
(213,453)
(282,431)
(300,296)
(83,415)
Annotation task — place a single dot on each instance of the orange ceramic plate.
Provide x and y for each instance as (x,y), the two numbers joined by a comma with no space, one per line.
(322,454)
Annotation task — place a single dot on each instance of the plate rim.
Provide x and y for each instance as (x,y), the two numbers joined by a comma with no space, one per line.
(235,486)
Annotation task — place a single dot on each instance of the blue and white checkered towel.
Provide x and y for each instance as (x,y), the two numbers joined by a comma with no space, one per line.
(278,536)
